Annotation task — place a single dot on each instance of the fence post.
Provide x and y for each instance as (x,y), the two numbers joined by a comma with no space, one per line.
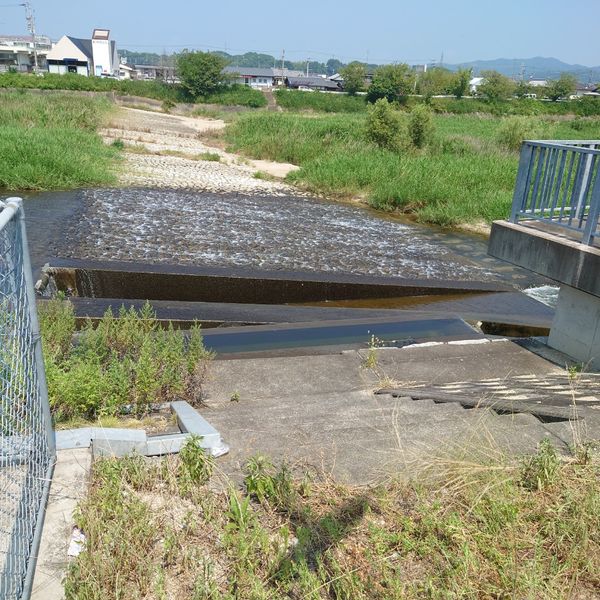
(522,183)
(591,224)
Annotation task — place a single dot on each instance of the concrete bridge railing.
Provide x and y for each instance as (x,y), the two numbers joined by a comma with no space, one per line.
(558,184)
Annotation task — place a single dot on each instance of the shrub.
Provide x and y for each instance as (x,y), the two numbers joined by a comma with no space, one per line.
(384,126)
(126,363)
(513,130)
(420,126)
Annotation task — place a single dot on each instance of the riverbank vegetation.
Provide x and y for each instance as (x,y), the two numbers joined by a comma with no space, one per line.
(464,173)
(496,528)
(124,364)
(294,100)
(51,142)
(235,95)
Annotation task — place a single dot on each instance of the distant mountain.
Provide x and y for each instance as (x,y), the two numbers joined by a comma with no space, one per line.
(537,67)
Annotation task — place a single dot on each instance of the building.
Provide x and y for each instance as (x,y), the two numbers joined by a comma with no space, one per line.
(533,82)
(474,84)
(280,75)
(585,90)
(255,77)
(148,72)
(313,83)
(17,52)
(96,56)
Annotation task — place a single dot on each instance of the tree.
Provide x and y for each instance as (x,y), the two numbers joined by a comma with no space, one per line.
(393,82)
(522,89)
(495,86)
(460,85)
(436,80)
(354,77)
(333,66)
(200,72)
(562,87)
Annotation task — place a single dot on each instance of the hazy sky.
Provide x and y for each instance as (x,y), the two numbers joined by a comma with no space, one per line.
(382,31)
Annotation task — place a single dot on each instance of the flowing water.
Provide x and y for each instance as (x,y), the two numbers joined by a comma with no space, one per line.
(281,233)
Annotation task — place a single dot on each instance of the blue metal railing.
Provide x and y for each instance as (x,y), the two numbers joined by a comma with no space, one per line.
(558,183)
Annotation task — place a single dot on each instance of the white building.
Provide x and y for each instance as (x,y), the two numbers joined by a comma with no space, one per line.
(474,84)
(251,76)
(533,82)
(97,56)
(17,52)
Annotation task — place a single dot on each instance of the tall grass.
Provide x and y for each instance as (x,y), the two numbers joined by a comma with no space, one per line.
(320,101)
(235,95)
(465,174)
(50,142)
(158,529)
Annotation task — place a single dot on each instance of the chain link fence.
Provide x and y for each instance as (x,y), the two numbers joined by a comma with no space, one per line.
(26,437)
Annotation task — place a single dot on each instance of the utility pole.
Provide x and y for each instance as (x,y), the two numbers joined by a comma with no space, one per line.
(307,66)
(282,64)
(30,17)
(522,71)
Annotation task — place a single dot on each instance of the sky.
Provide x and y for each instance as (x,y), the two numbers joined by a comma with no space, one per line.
(377,31)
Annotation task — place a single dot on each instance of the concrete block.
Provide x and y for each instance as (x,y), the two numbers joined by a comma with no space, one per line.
(118,442)
(165,444)
(68,439)
(547,253)
(576,326)
(190,421)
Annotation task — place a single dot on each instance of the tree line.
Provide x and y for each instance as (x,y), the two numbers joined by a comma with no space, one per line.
(201,73)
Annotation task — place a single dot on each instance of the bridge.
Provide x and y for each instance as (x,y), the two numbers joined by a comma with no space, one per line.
(554,230)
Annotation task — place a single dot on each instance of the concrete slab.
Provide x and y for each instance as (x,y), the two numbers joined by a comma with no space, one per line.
(320,410)
(69,486)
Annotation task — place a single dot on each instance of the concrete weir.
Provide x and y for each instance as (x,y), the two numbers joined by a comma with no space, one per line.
(211,284)
(290,310)
(575,328)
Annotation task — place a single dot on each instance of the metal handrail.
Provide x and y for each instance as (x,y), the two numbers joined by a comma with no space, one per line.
(558,183)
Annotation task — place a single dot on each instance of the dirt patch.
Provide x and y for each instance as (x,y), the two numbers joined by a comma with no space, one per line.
(163,150)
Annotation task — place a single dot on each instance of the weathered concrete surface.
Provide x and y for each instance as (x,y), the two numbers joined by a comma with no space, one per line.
(321,410)
(230,284)
(507,308)
(548,254)
(69,486)
(576,326)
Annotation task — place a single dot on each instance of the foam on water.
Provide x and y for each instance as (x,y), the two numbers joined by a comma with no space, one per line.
(546,294)
(290,233)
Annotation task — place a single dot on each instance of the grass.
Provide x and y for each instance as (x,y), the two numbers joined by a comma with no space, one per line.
(50,142)
(294,100)
(465,175)
(120,365)
(236,95)
(172,528)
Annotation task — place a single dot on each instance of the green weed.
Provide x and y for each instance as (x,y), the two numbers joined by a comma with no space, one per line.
(125,363)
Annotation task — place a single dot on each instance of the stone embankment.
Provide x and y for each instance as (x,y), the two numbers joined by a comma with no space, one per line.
(175,152)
